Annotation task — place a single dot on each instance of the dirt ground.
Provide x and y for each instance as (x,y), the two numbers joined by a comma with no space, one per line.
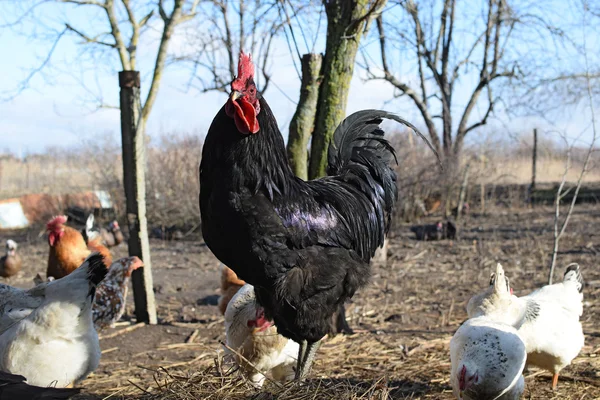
(404,320)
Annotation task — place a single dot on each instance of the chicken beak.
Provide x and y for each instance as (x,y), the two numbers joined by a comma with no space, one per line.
(235,95)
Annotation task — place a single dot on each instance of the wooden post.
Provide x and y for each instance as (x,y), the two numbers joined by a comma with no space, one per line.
(533,166)
(134,181)
(482,186)
(463,191)
(27,177)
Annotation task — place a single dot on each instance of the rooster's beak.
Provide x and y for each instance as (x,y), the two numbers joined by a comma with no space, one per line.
(235,95)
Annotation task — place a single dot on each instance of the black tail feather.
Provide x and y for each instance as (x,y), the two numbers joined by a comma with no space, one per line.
(574,269)
(361,156)
(96,271)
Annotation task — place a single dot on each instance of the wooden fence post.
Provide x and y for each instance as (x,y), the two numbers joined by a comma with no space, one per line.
(463,191)
(482,186)
(134,182)
(533,165)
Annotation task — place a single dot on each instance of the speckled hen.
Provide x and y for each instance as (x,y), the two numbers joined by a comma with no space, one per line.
(111,294)
(487,361)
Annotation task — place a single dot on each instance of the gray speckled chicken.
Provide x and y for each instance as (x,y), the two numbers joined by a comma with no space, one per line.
(487,360)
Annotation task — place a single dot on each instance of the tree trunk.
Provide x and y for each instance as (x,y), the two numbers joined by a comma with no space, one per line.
(134,182)
(346,21)
(303,121)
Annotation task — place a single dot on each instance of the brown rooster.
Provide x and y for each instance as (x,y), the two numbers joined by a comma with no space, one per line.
(68,249)
(10,264)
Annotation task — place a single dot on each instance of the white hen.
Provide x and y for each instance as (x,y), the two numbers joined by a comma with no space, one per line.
(487,361)
(547,319)
(255,338)
(46,333)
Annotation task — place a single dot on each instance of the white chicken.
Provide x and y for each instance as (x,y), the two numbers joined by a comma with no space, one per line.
(46,333)
(487,360)
(547,319)
(255,338)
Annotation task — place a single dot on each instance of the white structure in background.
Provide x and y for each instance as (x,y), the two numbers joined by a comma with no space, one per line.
(12,215)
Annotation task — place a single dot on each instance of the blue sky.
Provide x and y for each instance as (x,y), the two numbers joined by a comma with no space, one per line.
(56,109)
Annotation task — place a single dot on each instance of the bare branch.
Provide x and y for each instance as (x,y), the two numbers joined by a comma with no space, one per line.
(483,120)
(25,83)
(89,39)
(116,33)
(84,2)
(228,40)
(447,42)
(21,17)
(404,88)
(135,34)
(466,60)
(161,57)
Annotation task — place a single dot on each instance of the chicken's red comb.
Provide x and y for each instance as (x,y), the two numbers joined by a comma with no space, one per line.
(245,66)
(56,223)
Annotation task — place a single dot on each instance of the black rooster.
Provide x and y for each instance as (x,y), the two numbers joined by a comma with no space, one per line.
(305,246)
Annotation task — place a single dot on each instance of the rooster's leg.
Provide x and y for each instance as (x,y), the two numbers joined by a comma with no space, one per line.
(301,350)
(307,359)
(554,381)
(342,325)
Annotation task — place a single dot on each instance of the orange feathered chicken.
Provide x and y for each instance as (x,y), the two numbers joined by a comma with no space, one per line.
(68,249)
(230,284)
(95,245)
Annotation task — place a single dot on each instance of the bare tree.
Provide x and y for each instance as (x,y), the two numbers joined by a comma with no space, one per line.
(123,23)
(561,226)
(229,27)
(442,58)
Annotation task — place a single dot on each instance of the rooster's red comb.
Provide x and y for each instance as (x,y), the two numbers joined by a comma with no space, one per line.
(56,223)
(245,66)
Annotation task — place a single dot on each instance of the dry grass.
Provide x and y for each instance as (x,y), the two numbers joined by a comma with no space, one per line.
(516,170)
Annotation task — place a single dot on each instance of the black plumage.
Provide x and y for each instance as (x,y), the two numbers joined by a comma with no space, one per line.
(304,245)
(438,231)
(13,387)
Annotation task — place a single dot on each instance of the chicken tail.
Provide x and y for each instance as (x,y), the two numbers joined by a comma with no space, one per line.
(360,152)
(93,270)
(88,231)
(573,274)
